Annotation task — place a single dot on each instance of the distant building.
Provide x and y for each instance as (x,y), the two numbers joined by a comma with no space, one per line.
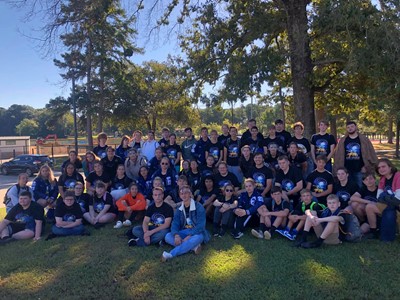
(11,146)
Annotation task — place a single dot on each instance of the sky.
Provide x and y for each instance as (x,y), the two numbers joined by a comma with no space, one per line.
(29,78)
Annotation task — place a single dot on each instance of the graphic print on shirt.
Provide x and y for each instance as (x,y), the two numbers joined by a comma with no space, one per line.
(287,185)
(214,152)
(343,196)
(233,150)
(319,185)
(69,218)
(157,220)
(260,180)
(321,147)
(70,184)
(23,218)
(353,151)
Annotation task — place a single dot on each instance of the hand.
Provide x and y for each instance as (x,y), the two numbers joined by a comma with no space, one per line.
(147,234)
(36,238)
(178,240)
(186,238)
(147,240)
(128,209)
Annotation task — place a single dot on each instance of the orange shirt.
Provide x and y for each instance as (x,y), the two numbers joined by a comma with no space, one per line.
(136,204)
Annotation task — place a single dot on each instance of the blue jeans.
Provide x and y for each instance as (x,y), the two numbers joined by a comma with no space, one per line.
(356,177)
(238,173)
(77,230)
(154,238)
(186,246)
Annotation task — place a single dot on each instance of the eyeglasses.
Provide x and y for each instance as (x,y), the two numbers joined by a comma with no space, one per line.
(165,164)
(228,190)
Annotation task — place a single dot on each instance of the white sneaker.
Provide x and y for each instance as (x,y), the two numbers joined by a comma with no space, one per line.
(267,235)
(118,225)
(197,249)
(127,223)
(166,256)
(257,233)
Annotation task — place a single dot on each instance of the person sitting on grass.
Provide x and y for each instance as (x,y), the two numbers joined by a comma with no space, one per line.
(248,204)
(98,175)
(45,190)
(325,224)
(297,217)
(23,221)
(68,179)
(120,183)
(156,223)
(188,229)
(83,199)
(68,218)
(223,212)
(173,198)
(366,195)
(12,194)
(131,206)
(207,194)
(273,215)
(101,208)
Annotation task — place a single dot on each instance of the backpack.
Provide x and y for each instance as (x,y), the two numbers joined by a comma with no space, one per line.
(7,199)
(350,231)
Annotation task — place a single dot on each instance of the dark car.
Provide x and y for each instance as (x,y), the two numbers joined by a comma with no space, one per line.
(29,164)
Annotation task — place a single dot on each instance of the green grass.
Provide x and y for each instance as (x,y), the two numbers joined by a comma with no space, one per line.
(102,266)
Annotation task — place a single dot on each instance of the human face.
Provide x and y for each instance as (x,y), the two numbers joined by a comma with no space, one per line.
(279,127)
(138,136)
(181,182)
(225,130)
(320,164)
(158,196)
(246,152)
(342,175)
(110,153)
(293,149)
(251,124)
(132,155)
(144,172)
(164,163)
(258,159)
(188,133)
(222,169)
(157,183)
(165,134)
(351,128)
(134,190)
(333,204)
(89,157)
(233,132)
(120,171)
(102,141)
(204,134)
(185,165)
(78,189)
(125,143)
(283,164)
(272,131)
(210,161)
(100,190)
(72,156)
(150,136)
(249,186)
(24,201)
(193,165)
(298,130)
(185,195)
(172,140)
(254,133)
(306,198)
(322,127)
(23,179)
(228,190)
(214,135)
(277,196)
(69,201)
(369,181)
(208,183)
(384,169)
(45,172)
(158,154)
(273,149)
(70,170)
(98,168)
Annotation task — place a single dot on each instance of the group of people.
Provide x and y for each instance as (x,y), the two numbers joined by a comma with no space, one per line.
(281,184)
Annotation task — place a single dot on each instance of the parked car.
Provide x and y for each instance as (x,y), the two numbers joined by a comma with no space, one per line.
(29,164)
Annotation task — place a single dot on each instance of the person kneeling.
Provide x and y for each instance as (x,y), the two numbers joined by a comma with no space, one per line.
(68,217)
(188,228)
(23,221)
(325,224)
(156,223)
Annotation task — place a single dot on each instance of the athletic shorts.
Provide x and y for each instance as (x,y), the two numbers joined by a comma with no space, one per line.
(14,228)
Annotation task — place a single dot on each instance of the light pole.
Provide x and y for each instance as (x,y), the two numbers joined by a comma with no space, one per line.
(74,108)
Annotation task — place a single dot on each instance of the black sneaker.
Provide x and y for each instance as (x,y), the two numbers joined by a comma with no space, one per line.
(98,225)
(132,242)
(238,235)
(309,245)
(6,240)
(221,233)
(85,233)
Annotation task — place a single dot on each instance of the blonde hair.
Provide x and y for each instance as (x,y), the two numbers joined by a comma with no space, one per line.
(51,178)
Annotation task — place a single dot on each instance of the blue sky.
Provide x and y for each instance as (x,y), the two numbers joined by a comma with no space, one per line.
(27,77)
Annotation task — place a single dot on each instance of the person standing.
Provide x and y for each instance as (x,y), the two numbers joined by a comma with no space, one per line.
(323,143)
(188,144)
(356,153)
(149,147)
(282,133)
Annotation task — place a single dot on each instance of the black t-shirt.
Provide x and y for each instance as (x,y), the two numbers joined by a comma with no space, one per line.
(322,143)
(171,151)
(256,146)
(204,194)
(289,180)
(260,176)
(93,178)
(83,200)
(353,158)
(221,198)
(272,162)
(120,184)
(77,163)
(69,182)
(26,217)
(273,206)
(215,150)
(284,136)
(206,171)
(221,181)
(389,184)
(298,160)
(303,144)
(367,194)
(158,215)
(101,152)
(276,140)
(194,180)
(98,203)
(136,145)
(320,182)
(233,152)
(222,138)
(246,165)
(110,166)
(68,213)
(345,192)
(302,207)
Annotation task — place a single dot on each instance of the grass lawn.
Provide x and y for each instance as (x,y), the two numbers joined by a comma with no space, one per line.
(101,266)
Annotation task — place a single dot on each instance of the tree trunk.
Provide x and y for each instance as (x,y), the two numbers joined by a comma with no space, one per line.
(332,121)
(397,137)
(390,131)
(320,114)
(154,122)
(282,99)
(101,100)
(301,64)
(89,95)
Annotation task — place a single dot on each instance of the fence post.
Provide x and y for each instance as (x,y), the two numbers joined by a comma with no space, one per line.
(52,152)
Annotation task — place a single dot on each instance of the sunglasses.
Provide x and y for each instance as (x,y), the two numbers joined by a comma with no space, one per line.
(228,190)
(165,164)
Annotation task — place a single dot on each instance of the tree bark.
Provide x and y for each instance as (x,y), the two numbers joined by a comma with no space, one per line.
(332,121)
(89,95)
(390,131)
(397,137)
(301,64)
